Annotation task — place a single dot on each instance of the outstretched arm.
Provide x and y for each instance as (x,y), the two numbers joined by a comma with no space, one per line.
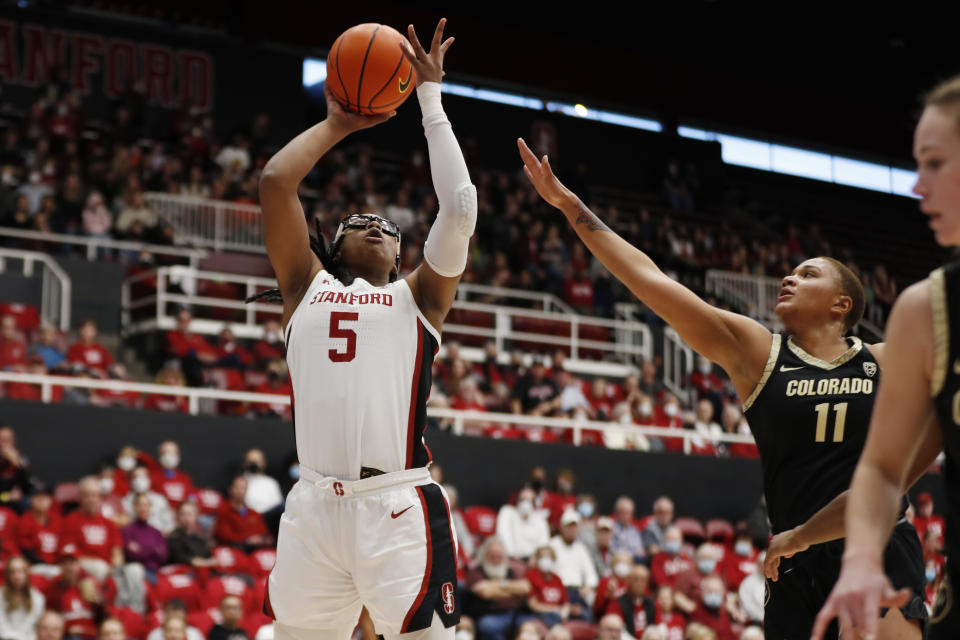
(284,224)
(434,283)
(737,343)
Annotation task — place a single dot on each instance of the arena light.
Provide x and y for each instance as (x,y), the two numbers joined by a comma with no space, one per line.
(610,117)
(314,71)
(581,110)
(806,163)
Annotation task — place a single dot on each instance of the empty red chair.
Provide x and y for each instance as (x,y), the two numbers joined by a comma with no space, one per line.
(180,587)
(719,530)
(26,315)
(230,560)
(262,561)
(222,586)
(693,531)
(66,493)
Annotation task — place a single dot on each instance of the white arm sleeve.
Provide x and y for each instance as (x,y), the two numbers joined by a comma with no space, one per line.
(449,238)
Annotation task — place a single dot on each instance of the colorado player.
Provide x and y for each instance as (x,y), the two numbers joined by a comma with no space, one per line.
(918,408)
(365,525)
(807,396)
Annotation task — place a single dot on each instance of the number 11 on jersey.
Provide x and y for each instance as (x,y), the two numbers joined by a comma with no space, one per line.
(823,412)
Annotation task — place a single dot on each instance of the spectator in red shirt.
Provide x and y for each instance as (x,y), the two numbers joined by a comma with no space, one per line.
(635,607)
(270,346)
(687,586)
(88,352)
(933,561)
(670,562)
(711,611)
(578,291)
(170,375)
(671,622)
(230,353)
(70,574)
(278,383)
(13,350)
(98,541)
(926,519)
(548,597)
(169,480)
(193,349)
(614,585)
(82,608)
(238,525)
(742,562)
(14,470)
(38,532)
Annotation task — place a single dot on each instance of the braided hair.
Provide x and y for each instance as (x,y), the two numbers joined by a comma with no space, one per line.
(327,255)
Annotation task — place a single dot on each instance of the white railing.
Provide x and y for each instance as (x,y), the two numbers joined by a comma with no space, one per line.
(460,419)
(677,364)
(627,340)
(94,245)
(511,297)
(55,288)
(216,224)
(755,295)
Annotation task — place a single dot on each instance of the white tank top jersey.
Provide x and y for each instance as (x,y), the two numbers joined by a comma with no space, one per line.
(360,362)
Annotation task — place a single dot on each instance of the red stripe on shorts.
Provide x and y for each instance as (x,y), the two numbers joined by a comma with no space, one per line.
(426,572)
(414,392)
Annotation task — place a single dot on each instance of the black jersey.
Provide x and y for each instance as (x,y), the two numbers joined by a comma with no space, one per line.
(810,419)
(945,389)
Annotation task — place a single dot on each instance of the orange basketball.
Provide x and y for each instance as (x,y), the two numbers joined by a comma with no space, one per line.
(366,70)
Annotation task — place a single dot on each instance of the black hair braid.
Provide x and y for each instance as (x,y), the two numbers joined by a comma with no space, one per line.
(327,256)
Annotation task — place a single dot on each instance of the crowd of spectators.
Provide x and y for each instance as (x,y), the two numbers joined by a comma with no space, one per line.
(137,550)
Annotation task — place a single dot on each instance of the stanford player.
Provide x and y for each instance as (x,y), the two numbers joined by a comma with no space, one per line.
(365,525)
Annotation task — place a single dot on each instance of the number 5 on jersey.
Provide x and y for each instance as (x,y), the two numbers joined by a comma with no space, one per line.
(338,332)
(823,412)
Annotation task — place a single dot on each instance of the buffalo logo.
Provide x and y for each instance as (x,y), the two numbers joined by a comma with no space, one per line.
(338,488)
(446,591)
(870,368)
(405,84)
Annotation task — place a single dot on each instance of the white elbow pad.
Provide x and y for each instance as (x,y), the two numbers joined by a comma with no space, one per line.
(449,239)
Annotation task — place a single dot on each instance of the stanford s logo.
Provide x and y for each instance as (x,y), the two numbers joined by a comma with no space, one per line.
(446,591)
(870,368)
(405,84)
(338,488)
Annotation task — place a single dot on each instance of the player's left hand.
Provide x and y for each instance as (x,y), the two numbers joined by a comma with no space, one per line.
(429,66)
(783,545)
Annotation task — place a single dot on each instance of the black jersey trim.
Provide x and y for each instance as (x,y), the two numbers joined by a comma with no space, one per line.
(767,370)
(843,358)
(941,330)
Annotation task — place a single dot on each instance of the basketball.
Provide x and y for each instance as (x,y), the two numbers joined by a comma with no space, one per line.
(366,70)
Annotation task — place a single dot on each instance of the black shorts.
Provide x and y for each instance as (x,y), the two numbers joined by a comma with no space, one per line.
(806,580)
(945,619)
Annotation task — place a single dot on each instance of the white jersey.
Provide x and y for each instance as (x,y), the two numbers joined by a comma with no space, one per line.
(360,362)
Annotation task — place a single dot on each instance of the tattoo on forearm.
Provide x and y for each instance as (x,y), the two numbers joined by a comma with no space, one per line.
(587,217)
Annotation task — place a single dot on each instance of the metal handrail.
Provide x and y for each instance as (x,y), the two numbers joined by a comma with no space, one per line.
(459,417)
(55,290)
(93,244)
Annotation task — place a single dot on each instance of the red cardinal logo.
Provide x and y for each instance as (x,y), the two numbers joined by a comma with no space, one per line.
(447,592)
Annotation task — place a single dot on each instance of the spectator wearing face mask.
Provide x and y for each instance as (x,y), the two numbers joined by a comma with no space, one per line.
(168,479)
(669,416)
(670,561)
(635,608)
(742,562)
(688,587)
(573,562)
(548,598)
(161,515)
(670,621)
(522,528)
(127,461)
(493,592)
(710,610)
(626,536)
(933,560)
(602,551)
(98,542)
(612,586)
(653,534)
(270,346)
(39,529)
(586,506)
(263,491)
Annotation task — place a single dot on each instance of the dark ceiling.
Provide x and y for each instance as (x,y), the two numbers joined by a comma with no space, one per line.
(809,74)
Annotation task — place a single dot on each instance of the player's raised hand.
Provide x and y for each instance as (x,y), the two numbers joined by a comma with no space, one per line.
(856,599)
(541,175)
(782,545)
(348,121)
(428,65)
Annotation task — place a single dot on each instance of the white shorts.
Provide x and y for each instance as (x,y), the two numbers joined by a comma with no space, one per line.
(384,542)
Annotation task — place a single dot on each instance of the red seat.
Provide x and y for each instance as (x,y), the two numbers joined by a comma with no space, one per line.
(26,315)
(481,521)
(692,530)
(66,493)
(179,587)
(218,588)
(230,560)
(262,561)
(580,630)
(719,530)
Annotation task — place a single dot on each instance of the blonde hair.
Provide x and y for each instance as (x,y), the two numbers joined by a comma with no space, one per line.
(946,96)
(16,598)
